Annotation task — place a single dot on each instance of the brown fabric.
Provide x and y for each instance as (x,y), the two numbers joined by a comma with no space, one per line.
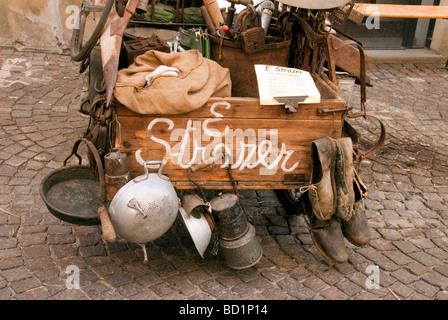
(200,78)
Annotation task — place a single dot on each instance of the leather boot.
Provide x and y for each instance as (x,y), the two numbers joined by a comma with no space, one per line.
(322,193)
(356,230)
(326,235)
(344,178)
(360,189)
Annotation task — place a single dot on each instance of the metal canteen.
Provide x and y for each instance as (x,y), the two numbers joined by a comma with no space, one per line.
(145,208)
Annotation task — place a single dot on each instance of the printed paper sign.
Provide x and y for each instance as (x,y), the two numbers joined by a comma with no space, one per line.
(280,82)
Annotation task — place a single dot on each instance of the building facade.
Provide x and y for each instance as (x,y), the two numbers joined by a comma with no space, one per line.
(46,25)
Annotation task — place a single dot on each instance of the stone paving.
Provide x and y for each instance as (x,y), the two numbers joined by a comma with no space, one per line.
(407,206)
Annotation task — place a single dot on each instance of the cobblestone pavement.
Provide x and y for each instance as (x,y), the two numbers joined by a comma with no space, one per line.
(407,206)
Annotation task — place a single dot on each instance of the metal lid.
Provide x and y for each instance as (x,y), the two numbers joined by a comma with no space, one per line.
(196,222)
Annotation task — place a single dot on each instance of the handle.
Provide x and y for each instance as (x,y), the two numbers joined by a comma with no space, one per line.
(208,20)
(106,226)
(138,45)
(230,15)
(228,33)
(152,164)
(250,11)
(74,153)
(214,11)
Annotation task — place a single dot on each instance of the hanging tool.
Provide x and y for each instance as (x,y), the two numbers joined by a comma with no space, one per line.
(215,13)
(228,33)
(266,10)
(208,20)
(231,10)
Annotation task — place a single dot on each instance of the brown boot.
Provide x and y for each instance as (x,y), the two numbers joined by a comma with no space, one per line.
(326,235)
(344,179)
(322,193)
(360,189)
(356,230)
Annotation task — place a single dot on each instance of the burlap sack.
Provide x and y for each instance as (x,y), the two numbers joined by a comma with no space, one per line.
(200,78)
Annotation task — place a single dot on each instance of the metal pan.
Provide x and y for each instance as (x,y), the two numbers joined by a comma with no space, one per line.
(72,194)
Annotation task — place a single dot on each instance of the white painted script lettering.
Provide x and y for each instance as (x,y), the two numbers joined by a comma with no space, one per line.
(199,142)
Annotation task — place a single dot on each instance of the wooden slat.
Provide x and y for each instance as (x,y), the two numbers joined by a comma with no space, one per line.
(402,11)
(247,108)
(296,131)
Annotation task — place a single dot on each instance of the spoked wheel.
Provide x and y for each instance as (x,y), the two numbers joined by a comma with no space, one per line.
(79,50)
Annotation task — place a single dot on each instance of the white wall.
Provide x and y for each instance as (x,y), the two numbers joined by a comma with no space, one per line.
(37,24)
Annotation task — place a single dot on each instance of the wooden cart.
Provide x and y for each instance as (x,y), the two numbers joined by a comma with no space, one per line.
(270,149)
(255,127)
(229,143)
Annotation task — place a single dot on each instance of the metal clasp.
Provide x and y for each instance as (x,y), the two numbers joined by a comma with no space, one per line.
(133,203)
(291,103)
(324,111)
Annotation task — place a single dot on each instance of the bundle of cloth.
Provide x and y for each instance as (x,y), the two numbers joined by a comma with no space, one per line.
(171,83)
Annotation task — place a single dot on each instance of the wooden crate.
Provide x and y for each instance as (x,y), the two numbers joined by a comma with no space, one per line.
(251,128)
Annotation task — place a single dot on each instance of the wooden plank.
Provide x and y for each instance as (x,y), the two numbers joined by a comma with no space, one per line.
(402,11)
(247,108)
(246,128)
(347,57)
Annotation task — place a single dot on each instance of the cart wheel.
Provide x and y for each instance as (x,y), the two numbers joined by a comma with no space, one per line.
(78,50)
(290,200)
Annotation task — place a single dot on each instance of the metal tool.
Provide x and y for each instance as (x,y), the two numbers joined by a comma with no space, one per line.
(231,10)
(266,10)
(291,103)
(228,33)
(215,13)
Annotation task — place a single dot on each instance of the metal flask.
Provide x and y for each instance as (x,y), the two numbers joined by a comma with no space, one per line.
(145,208)
(237,240)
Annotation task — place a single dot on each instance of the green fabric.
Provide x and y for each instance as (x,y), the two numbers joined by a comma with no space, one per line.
(162,13)
(165,13)
(193,15)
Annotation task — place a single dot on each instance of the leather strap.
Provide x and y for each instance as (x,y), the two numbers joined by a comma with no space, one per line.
(363,113)
(378,144)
